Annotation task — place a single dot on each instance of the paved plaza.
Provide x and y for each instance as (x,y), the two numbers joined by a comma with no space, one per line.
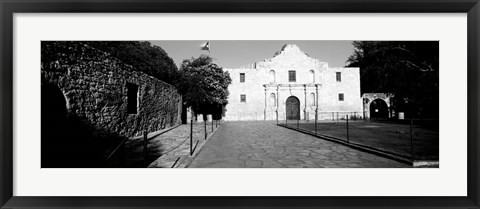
(254,144)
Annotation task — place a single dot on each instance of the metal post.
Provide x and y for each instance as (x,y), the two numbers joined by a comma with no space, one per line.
(212,123)
(145,147)
(205,125)
(315,123)
(348,139)
(411,139)
(191,136)
(337,117)
(276,115)
(333,116)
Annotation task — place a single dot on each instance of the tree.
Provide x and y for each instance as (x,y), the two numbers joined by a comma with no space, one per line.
(144,56)
(203,84)
(409,69)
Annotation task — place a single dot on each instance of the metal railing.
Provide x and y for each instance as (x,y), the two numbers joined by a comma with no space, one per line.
(413,138)
(138,152)
(214,124)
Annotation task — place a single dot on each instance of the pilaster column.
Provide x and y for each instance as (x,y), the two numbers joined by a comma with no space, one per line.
(305,105)
(278,99)
(265,109)
(316,100)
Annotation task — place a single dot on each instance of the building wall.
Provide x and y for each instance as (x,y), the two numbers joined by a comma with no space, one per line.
(254,106)
(386,97)
(312,77)
(95,89)
(349,86)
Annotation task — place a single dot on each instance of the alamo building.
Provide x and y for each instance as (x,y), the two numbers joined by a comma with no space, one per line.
(293,85)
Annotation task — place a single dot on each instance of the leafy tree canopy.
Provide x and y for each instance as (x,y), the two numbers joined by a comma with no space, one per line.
(144,56)
(409,69)
(203,84)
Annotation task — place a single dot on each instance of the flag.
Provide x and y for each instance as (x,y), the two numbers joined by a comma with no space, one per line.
(205,46)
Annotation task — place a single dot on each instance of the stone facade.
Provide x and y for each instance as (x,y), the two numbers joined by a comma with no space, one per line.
(95,87)
(385,98)
(267,85)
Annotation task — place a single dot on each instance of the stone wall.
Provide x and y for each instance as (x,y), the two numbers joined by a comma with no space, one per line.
(386,97)
(267,87)
(94,85)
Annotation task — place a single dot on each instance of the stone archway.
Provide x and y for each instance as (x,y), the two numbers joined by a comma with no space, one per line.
(293,108)
(54,128)
(373,110)
(53,105)
(379,109)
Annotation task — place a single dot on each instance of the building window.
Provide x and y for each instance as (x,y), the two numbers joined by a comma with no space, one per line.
(272,76)
(291,76)
(242,77)
(339,76)
(243,98)
(312,76)
(132,98)
(340,97)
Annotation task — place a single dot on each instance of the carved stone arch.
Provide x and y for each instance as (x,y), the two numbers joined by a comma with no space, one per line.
(53,126)
(378,109)
(273,100)
(53,103)
(377,105)
(311,99)
(292,108)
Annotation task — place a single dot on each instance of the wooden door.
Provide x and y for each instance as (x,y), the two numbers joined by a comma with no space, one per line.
(293,108)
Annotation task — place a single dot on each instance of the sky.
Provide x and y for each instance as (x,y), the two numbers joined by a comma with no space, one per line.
(234,54)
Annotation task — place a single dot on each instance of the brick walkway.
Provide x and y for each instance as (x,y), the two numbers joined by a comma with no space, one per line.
(265,145)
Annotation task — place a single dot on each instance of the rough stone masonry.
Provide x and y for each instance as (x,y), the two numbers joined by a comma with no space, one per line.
(112,96)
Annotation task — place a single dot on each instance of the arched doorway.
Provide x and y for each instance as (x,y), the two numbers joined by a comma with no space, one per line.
(54,128)
(53,106)
(293,108)
(378,109)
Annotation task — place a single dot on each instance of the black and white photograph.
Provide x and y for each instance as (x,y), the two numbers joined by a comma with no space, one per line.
(240,104)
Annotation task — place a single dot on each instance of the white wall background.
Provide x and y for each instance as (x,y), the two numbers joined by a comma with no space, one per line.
(448,180)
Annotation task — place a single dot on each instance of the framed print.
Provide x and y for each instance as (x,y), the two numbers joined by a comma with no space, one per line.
(194,104)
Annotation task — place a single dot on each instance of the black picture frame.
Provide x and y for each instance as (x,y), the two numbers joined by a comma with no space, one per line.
(9,7)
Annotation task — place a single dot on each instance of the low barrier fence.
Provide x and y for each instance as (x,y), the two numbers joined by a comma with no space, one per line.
(139,152)
(415,139)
